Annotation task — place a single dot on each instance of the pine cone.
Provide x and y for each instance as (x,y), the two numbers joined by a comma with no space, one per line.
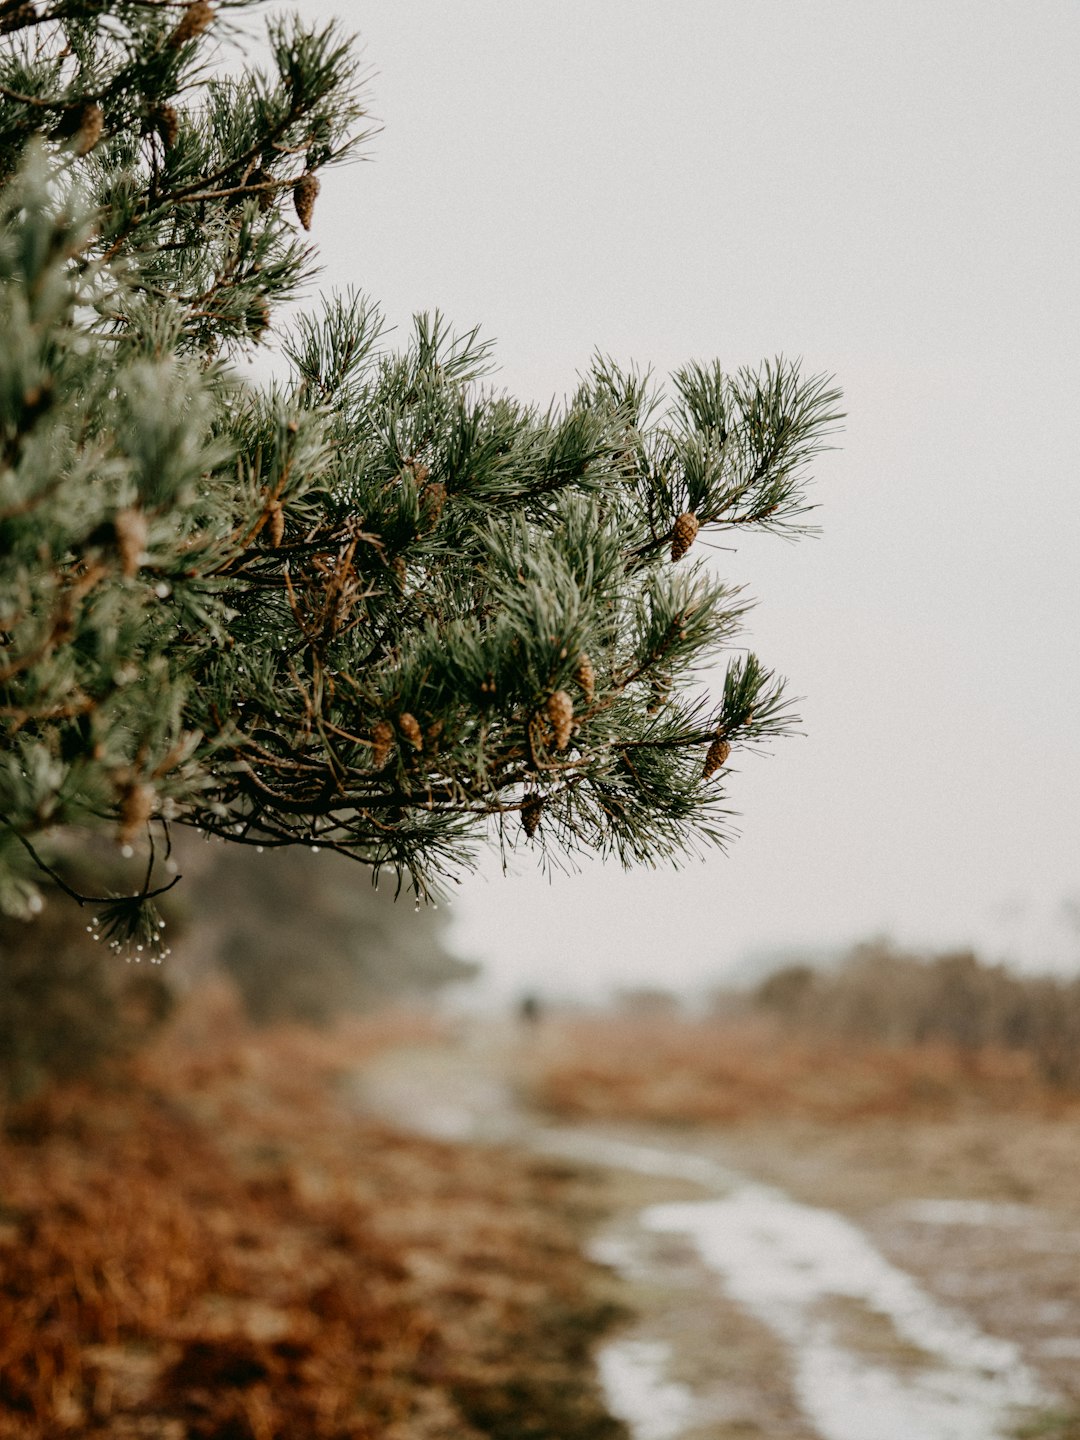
(684,534)
(409,727)
(258,316)
(560,711)
(91,125)
(531,811)
(585,676)
(382,742)
(434,732)
(400,570)
(167,123)
(197,18)
(432,500)
(136,807)
(304,193)
(275,523)
(716,757)
(130,527)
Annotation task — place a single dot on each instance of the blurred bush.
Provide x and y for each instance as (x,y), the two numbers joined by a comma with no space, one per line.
(880,993)
(67,1003)
(306,936)
(302,936)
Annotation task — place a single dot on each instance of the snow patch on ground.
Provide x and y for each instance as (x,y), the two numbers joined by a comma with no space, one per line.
(985,1214)
(784,1261)
(632,1373)
(937,1376)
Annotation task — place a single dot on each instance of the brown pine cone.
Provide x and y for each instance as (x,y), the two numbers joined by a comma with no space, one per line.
(167,123)
(382,741)
(531,811)
(409,727)
(304,193)
(585,676)
(432,500)
(275,522)
(716,757)
(258,316)
(136,807)
(560,711)
(196,19)
(91,125)
(684,534)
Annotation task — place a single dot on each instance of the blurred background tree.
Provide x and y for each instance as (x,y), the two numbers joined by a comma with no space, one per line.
(304,937)
(375,607)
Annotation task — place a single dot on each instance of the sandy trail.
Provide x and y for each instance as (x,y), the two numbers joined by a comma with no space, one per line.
(759,1314)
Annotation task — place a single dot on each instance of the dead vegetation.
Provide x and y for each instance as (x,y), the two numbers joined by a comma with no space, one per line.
(886,1034)
(724,1070)
(880,993)
(223,1251)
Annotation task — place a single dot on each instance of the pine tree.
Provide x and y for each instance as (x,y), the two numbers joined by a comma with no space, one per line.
(379,606)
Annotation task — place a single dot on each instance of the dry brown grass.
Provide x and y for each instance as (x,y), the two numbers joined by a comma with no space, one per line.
(883,994)
(223,1251)
(721,1071)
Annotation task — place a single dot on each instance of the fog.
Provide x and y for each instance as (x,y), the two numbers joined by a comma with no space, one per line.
(888,192)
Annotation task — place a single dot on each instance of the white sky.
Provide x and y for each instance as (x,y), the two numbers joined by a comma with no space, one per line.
(890,192)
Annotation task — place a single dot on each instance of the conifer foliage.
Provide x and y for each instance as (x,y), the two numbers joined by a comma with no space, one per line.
(379,606)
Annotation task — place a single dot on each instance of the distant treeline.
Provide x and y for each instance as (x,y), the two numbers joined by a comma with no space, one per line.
(879,993)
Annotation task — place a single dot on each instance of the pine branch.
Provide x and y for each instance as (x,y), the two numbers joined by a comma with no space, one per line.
(378,604)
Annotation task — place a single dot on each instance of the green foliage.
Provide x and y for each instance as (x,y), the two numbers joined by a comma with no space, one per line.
(378,607)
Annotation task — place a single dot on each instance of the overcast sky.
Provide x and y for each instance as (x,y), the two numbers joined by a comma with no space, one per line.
(890,192)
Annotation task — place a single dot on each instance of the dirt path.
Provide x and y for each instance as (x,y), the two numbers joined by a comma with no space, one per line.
(759,1313)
